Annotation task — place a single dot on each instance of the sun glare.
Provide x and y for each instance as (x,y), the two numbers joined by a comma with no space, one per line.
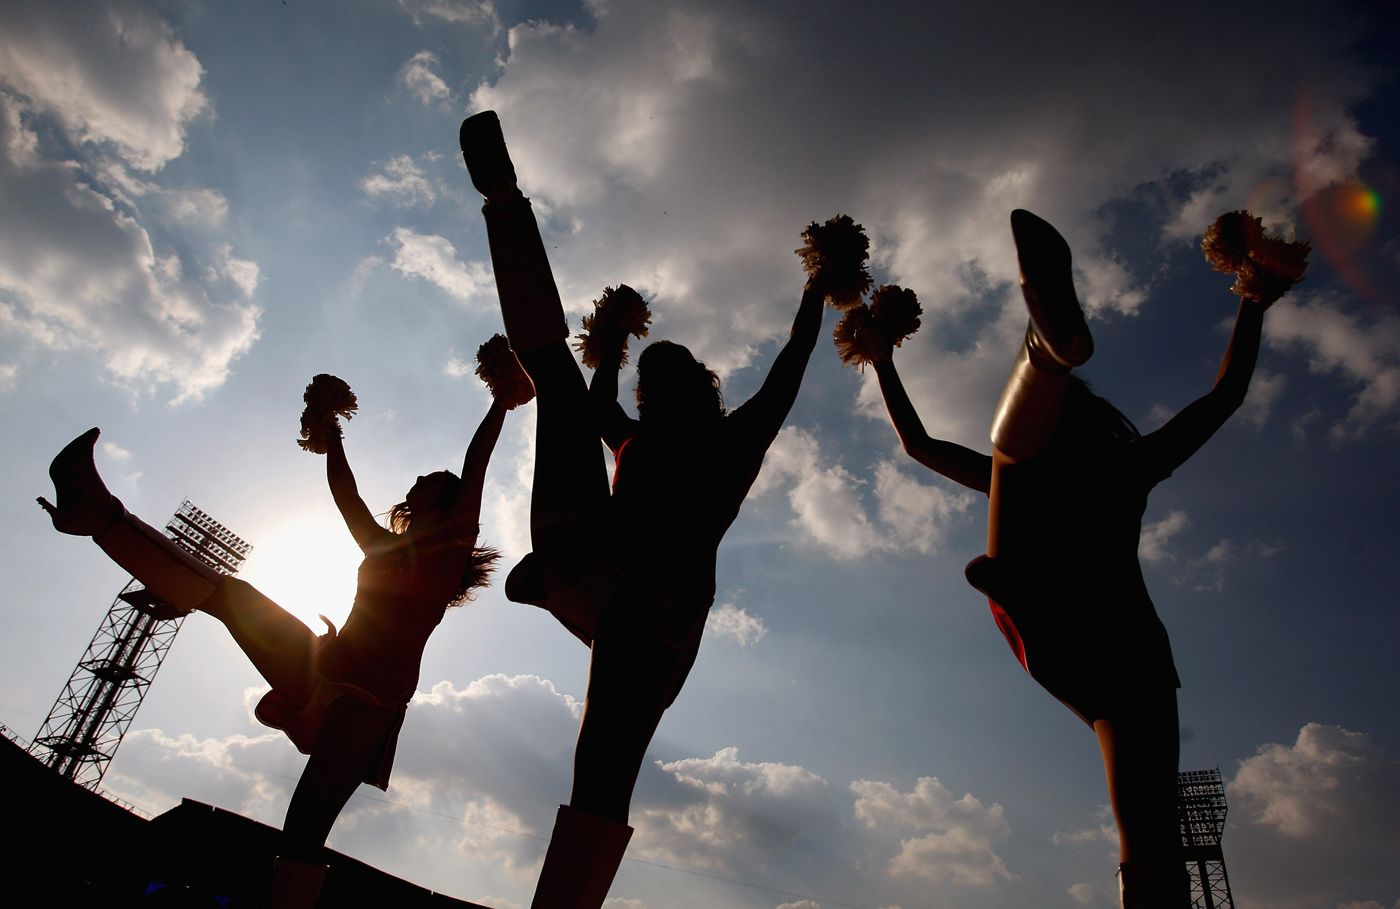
(307,565)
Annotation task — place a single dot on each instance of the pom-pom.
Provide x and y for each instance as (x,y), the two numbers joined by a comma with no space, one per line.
(327,398)
(835,253)
(858,339)
(497,366)
(1264,267)
(619,312)
(896,312)
(1227,242)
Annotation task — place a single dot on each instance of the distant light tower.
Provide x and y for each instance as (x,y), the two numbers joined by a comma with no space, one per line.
(1200,800)
(89,719)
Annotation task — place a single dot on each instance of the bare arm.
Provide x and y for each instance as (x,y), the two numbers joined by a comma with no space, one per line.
(959,464)
(466,511)
(769,406)
(614,425)
(1170,446)
(358,518)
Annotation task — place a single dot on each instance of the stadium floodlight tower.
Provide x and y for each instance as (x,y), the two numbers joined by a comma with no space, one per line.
(90,717)
(1200,800)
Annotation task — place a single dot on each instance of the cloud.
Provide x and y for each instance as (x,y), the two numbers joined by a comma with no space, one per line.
(1265,389)
(466,12)
(909,516)
(721,813)
(9,373)
(1313,822)
(434,259)
(631,131)
(1363,349)
(403,183)
(115,451)
(419,76)
(737,624)
(87,99)
(942,839)
(110,73)
(1152,545)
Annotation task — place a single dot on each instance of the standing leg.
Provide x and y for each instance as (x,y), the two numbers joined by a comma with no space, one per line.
(1140,746)
(630,680)
(351,740)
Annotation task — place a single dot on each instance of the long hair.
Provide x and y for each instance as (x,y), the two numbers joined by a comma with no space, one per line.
(482,558)
(1089,420)
(674,387)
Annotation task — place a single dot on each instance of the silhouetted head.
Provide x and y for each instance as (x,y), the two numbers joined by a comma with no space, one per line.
(1088,421)
(674,387)
(431,498)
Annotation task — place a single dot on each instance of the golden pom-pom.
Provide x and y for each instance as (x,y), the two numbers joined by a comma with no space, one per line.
(327,398)
(497,366)
(896,312)
(1265,267)
(835,253)
(1227,242)
(619,312)
(858,339)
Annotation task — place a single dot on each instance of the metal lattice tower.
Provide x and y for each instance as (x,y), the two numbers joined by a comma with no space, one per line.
(1200,801)
(90,717)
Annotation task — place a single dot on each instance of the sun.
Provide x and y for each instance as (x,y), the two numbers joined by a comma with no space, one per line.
(307,564)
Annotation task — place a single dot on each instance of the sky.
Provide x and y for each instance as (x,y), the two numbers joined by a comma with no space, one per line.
(204,204)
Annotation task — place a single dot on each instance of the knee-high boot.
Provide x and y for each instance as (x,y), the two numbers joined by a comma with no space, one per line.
(1057,340)
(86,508)
(584,854)
(530,305)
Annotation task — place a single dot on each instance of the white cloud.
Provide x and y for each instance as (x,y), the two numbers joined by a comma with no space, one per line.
(85,97)
(1152,545)
(1087,894)
(941,838)
(629,132)
(1364,349)
(830,512)
(721,813)
(458,368)
(434,259)
(1312,823)
(419,76)
(111,73)
(9,372)
(115,451)
(465,12)
(737,624)
(403,183)
(1264,391)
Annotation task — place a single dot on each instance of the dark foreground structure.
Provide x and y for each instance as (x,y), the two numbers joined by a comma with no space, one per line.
(73,847)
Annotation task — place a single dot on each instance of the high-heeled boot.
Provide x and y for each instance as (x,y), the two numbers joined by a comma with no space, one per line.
(86,508)
(1057,340)
(530,305)
(584,853)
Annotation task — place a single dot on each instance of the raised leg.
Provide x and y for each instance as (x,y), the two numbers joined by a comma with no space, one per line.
(571,483)
(1057,340)
(86,508)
